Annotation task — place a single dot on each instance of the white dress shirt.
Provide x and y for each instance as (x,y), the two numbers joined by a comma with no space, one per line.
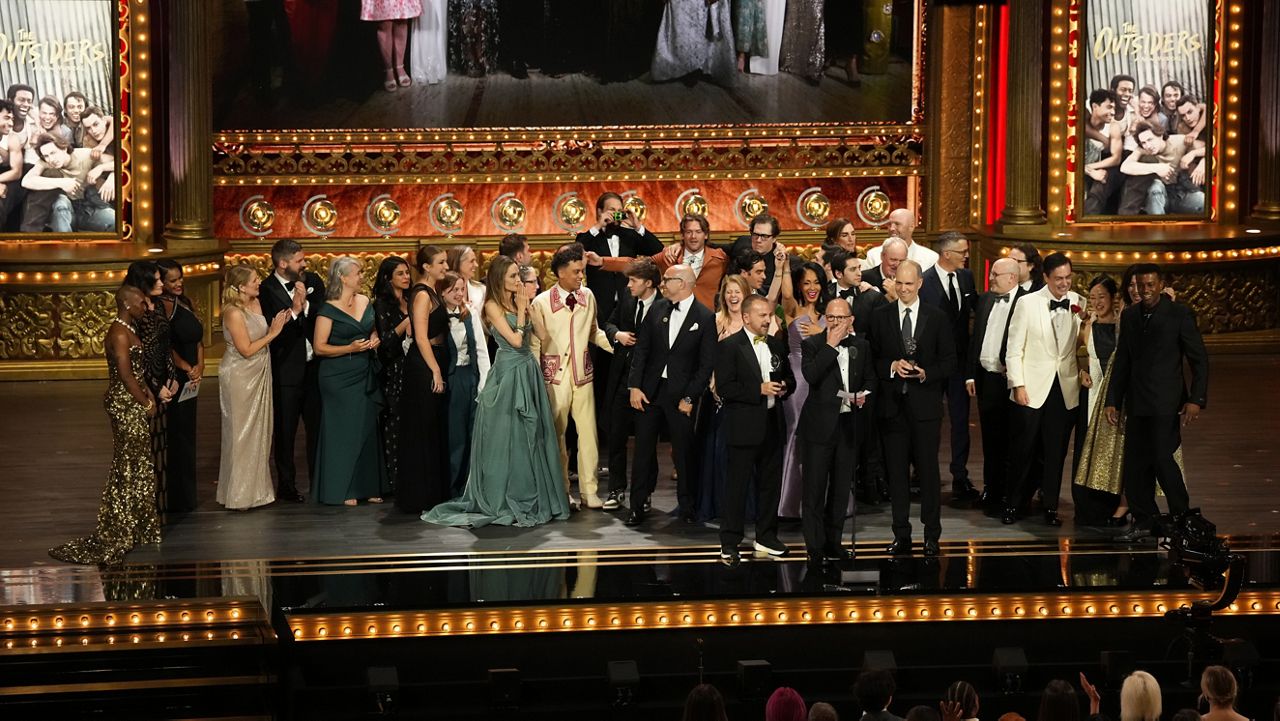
(842,361)
(694,260)
(290,288)
(645,305)
(989,355)
(674,321)
(458,330)
(615,248)
(764,356)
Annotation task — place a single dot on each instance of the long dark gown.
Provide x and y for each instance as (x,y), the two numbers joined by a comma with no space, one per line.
(424,466)
(391,378)
(127,516)
(158,370)
(516,477)
(186,333)
(348,457)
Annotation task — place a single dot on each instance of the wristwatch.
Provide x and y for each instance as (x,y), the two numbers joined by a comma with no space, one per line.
(687,399)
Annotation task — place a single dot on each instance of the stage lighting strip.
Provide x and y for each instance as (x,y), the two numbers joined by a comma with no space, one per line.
(754,613)
(1167,256)
(95,276)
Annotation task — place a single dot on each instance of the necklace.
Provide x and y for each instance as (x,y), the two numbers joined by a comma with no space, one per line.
(126,325)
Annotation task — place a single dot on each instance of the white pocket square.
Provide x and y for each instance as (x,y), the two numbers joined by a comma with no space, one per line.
(309,289)
(693,327)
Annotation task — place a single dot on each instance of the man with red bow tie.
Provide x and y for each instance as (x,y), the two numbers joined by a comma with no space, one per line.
(565,326)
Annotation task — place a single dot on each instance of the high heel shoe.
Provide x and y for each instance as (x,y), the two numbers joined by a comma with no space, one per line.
(389,84)
(403,78)
(1118,521)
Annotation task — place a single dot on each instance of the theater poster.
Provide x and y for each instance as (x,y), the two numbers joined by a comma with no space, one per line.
(58,119)
(1144,109)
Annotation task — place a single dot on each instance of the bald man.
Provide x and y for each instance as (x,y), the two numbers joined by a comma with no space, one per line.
(985,379)
(881,277)
(902,224)
(914,354)
(671,366)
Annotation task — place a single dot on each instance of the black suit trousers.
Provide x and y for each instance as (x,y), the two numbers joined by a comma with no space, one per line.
(763,462)
(644,471)
(621,425)
(994,409)
(958,415)
(909,441)
(1051,424)
(829,471)
(1149,444)
(291,402)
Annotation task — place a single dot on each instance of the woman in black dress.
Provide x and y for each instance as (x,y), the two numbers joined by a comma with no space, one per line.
(157,363)
(391,318)
(424,468)
(186,348)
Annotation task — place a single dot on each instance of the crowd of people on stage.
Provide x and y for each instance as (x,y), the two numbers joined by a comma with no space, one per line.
(424,40)
(783,383)
(875,690)
(1144,150)
(57,163)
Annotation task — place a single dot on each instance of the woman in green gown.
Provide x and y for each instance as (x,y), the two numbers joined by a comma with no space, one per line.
(348,459)
(516,477)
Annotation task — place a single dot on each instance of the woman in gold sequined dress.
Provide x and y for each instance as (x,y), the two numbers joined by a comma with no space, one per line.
(128,513)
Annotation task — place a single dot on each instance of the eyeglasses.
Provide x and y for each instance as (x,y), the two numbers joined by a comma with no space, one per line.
(763,236)
(670,279)
(837,318)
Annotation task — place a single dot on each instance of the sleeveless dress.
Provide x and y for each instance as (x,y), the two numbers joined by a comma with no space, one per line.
(127,516)
(244,392)
(349,458)
(516,478)
(422,478)
(789,502)
(186,335)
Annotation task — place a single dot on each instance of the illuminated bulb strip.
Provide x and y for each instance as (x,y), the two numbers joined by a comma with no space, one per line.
(728,614)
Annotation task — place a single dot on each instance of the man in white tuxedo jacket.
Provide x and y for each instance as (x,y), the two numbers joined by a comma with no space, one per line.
(565,326)
(1044,383)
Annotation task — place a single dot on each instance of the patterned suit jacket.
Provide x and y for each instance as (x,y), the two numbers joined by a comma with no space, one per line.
(562,336)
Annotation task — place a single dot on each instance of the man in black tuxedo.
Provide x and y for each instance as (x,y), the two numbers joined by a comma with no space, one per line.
(295,391)
(914,354)
(881,276)
(617,233)
(837,366)
(752,378)
(621,328)
(985,379)
(1156,336)
(949,285)
(763,239)
(671,367)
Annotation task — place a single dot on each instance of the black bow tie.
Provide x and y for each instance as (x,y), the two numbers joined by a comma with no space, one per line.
(1002,298)
(1064,304)
(849,293)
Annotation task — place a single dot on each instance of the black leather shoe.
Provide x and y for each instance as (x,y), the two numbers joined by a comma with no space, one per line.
(837,553)
(1135,534)
(648,505)
(1010,516)
(1051,518)
(900,547)
(931,548)
(1118,521)
(964,491)
(635,518)
(816,564)
(289,495)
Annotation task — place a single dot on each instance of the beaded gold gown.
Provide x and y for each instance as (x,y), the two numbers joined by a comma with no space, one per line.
(127,516)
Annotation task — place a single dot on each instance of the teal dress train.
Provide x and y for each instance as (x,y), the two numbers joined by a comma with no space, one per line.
(349,458)
(516,478)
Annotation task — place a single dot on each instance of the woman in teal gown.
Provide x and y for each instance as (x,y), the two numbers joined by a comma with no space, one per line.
(348,458)
(516,477)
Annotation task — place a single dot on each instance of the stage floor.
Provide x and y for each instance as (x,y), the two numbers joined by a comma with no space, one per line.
(59,449)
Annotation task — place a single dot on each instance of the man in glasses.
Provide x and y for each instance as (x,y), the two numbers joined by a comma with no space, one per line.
(948,285)
(671,367)
(837,366)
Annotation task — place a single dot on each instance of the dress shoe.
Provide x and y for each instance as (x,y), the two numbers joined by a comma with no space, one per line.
(1051,518)
(816,564)
(635,518)
(964,491)
(931,548)
(900,547)
(614,500)
(688,517)
(1010,516)
(729,557)
(593,502)
(837,553)
(289,495)
(648,505)
(1118,521)
(1135,534)
(575,504)
(772,547)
